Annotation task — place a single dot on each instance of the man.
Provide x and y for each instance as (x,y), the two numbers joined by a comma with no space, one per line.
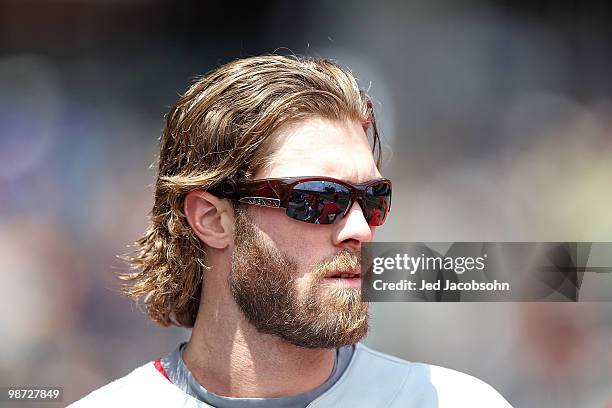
(273,297)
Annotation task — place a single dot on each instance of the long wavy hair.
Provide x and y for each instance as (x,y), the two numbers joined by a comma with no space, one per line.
(221,129)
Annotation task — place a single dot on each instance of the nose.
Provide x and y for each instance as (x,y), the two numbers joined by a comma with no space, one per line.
(352,230)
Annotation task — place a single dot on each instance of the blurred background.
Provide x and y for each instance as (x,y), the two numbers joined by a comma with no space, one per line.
(497,117)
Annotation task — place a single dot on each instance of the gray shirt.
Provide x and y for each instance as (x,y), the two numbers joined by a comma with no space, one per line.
(180,376)
(372,379)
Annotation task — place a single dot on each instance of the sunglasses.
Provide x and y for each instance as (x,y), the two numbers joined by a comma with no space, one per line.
(315,200)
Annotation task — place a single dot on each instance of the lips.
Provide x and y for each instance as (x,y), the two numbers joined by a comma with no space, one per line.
(345,274)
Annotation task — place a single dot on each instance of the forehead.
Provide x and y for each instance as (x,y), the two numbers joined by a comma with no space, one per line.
(322,147)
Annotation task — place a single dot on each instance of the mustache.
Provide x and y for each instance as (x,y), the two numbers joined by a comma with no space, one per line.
(343,260)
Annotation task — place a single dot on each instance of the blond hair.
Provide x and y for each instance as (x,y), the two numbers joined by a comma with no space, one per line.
(219,130)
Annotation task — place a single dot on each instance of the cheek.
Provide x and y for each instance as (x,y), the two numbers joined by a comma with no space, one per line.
(303,283)
(307,244)
(274,224)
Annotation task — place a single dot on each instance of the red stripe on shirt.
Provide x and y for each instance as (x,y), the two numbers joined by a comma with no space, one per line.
(158,365)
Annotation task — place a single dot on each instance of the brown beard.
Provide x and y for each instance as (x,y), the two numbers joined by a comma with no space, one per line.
(263,283)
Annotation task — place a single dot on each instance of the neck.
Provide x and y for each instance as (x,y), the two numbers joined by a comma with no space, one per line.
(228,357)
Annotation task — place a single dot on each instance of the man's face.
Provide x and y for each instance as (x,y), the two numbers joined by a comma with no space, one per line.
(282,268)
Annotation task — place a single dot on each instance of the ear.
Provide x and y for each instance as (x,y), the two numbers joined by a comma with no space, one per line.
(210,217)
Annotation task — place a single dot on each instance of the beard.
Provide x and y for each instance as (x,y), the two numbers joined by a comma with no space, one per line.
(263,282)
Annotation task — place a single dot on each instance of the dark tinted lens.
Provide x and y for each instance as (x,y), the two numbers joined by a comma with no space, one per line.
(377,202)
(318,202)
